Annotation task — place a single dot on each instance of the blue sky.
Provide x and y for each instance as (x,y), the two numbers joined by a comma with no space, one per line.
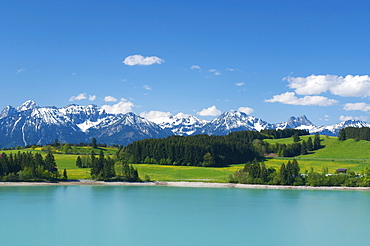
(271,59)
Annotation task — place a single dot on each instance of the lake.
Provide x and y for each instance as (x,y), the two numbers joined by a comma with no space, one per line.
(150,215)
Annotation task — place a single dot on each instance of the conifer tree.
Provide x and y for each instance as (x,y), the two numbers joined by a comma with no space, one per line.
(316,141)
(79,162)
(309,144)
(304,148)
(342,135)
(283,174)
(93,143)
(296,137)
(65,176)
(49,161)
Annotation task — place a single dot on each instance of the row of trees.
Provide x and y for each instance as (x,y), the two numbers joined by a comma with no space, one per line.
(298,147)
(286,133)
(356,133)
(216,151)
(26,166)
(256,172)
(198,150)
(289,174)
(103,168)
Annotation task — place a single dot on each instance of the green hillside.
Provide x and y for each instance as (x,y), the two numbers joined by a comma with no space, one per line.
(334,154)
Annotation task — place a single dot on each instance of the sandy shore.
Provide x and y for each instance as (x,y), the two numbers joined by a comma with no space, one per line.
(186,184)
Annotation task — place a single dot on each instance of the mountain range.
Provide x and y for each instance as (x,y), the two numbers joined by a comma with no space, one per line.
(31,124)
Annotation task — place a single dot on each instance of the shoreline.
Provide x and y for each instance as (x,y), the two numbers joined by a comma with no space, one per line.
(187,184)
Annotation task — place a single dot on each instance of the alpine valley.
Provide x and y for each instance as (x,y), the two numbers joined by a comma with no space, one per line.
(31,124)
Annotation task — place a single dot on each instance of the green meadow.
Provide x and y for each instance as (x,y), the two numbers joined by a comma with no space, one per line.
(335,154)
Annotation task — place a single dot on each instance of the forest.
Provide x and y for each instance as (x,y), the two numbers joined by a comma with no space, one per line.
(26,166)
(356,133)
(216,151)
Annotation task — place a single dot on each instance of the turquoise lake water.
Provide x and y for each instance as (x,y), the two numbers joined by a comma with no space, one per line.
(122,215)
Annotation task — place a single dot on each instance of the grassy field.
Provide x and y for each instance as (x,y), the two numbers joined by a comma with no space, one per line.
(186,173)
(335,154)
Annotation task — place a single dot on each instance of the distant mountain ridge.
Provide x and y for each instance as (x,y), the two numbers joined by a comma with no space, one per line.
(31,124)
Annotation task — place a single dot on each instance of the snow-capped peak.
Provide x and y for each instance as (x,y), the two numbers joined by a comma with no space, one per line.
(26,106)
(180,124)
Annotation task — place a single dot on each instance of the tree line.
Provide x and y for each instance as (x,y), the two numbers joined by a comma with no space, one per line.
(256,172)
(103,168)
(212,151)
(284,133)
(298,147)
(362,133)
(26,166)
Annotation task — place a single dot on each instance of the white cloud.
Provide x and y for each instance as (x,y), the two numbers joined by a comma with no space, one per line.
(214,71)
(345,118)
(239,84)
(147,87)
(211,111)
(153,115)
(230,69)
(194,67)
(357,106)
(142,61)
(20,70)
(92,98)
(182,115)
(78,97)
(348,86)
(110,99)
(122,107)
(290,98)
(246,110)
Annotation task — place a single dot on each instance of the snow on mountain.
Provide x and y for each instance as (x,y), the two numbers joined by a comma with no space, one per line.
(32,124)
(8,110)
(84,117)
(126,128)
(36,125)
(296,123)
(333,130)
(27,105)
(180,124)
(234,121)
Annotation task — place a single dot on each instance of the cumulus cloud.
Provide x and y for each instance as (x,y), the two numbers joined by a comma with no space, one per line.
(214,71)
(348,86)
(122,107)
(142,61)
(211,111)
(239,84)
(110,99)
(92,98)
(345,118)
(182,115)
(147,87)
(290,98)
(154,115)
(195,67)
(357,106)
(246,110)
(78,97)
